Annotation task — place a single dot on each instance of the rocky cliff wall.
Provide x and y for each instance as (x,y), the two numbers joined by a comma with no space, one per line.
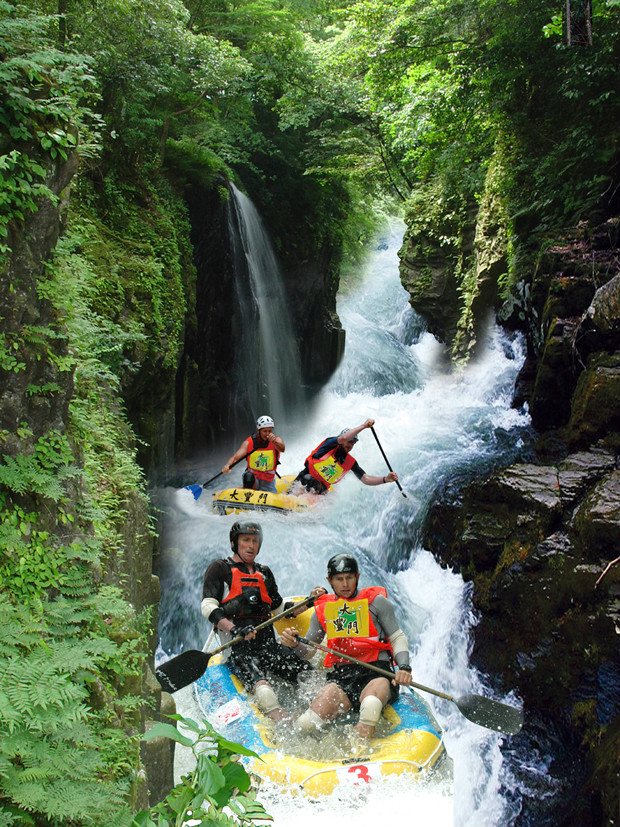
(540,540)
(37,387)
(156,278)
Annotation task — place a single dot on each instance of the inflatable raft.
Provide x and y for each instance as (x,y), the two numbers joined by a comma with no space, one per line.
(409,739)
(238,500)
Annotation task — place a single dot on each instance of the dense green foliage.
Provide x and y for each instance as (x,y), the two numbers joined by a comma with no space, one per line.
(218,782)
(442,85)
(71,648)
(58,757)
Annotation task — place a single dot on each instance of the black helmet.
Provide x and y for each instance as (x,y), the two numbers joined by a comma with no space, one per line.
(245,527)
(341,564)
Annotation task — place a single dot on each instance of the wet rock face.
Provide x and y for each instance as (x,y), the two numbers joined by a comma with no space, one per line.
(539,540)
(427,273)
(595,402)
(572,320)
(31,245)
(534,541)
(23,311)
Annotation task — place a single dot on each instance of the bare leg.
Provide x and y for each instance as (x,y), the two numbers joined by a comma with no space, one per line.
(267,702)
(331,703)
(378,688)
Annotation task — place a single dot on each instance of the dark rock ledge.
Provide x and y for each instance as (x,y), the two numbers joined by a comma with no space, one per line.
(536,539)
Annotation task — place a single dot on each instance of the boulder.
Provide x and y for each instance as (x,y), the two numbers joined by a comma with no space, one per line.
(597,521)
(595,404)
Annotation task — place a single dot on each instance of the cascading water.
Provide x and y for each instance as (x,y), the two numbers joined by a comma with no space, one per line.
(268,363)
(432,426)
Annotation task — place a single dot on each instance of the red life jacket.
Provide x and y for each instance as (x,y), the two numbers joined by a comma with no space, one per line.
(262,461)
(349,626)
(244,586)
(327,469)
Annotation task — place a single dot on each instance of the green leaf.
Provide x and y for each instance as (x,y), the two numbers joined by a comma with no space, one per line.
(237,749)
(209,776)
(160,729)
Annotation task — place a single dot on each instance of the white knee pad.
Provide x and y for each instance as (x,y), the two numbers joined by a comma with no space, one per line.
(266,698)
(309,721)
(370,710)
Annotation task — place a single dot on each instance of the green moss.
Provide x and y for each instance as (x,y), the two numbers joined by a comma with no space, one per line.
(584,719)
(194,163)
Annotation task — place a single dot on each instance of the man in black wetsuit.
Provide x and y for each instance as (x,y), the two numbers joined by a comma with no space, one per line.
(239,594)
(331,460)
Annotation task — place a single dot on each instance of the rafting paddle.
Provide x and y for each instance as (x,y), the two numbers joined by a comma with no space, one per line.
(386,461)
(197,489)
(187,667)
(480,710)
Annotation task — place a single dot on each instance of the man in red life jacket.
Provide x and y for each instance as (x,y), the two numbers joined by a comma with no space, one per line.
(262,451)
(331,460)
(237,595)
(359,623)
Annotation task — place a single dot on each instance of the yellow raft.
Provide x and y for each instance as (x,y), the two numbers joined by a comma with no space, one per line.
(237,500)
(411,741)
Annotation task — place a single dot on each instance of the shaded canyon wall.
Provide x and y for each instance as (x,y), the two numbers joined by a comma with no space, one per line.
(535,538)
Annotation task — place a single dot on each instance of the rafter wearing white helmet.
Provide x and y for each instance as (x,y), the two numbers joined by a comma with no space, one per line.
(262,451)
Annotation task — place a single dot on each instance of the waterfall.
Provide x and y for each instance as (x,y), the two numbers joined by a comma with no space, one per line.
(267,358)
(432,426)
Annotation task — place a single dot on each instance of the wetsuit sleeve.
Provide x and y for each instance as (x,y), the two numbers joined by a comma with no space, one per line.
(315,631)
(385,621)
(217,577)
(357,470)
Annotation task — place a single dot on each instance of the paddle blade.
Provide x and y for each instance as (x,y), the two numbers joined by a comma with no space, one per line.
(491,714)
(182,670)
(195,489)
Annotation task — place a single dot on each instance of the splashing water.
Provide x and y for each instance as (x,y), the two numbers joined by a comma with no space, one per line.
(432,426)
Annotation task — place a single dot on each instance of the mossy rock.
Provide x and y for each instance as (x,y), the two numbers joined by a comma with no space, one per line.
(596,525)
(568,296)
(595,409)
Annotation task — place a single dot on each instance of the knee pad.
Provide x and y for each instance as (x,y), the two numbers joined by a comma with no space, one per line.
(248,479)
(266,698)
(309,721)
(370,710)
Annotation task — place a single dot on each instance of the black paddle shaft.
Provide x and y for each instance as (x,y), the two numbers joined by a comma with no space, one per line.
(386,460)
(204,485)
(187,667)
(476,708)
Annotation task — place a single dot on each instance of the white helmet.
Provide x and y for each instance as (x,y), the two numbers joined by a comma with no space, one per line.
(264,422)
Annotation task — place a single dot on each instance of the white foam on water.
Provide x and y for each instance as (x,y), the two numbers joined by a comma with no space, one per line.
(431,424)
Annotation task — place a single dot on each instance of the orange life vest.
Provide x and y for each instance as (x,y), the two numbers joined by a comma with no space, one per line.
(262,461)
(327,469)
(349,627)
(245,586)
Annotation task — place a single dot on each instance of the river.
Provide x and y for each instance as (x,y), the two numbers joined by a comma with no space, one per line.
(432,425)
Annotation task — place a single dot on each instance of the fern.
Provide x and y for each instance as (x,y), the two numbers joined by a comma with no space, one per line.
(50,757)
(44,471)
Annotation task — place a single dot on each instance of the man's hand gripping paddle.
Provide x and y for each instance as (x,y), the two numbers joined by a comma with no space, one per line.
(480,710)
(187,667)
